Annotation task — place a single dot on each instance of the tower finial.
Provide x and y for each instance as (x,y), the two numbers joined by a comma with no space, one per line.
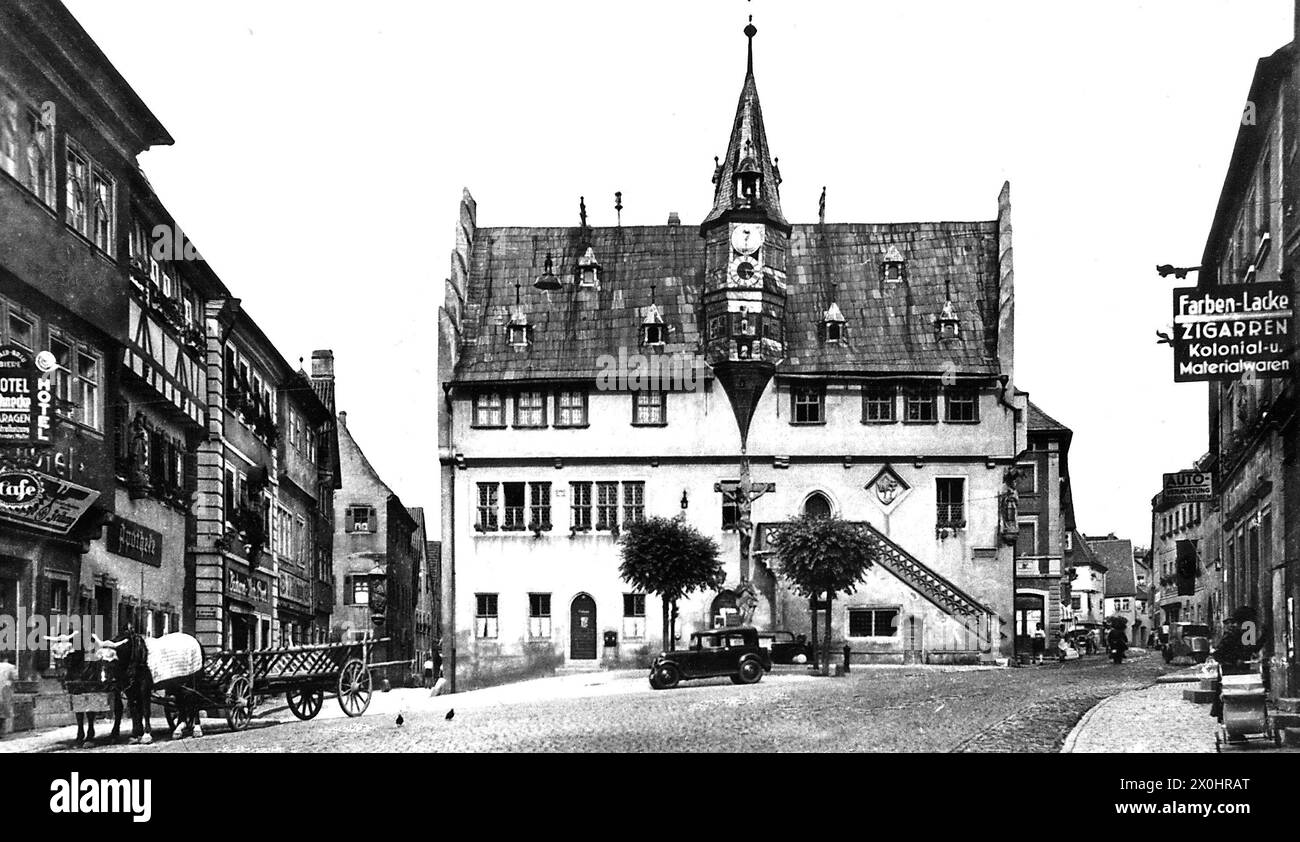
(750,32)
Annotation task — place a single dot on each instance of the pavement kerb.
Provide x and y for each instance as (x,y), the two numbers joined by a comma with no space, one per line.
(1068,746)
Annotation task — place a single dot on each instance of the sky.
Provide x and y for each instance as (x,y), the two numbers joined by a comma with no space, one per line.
(321,150)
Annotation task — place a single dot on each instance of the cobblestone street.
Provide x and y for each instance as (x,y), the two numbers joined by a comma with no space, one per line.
(895,709)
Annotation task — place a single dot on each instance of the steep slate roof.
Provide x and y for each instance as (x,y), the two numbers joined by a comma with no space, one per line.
(890,327)
(1118,557)
(1040,421)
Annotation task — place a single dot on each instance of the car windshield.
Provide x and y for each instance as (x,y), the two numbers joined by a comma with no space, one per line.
(706,641)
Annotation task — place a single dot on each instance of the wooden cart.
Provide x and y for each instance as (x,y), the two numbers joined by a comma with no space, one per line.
(237,681)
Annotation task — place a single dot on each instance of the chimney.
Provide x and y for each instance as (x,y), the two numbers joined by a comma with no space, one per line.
(322,364)
(343,419)
(675,220)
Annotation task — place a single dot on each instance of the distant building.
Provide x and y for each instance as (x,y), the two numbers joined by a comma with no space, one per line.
(1044,522)
(375,558)
(1185,527)
(1087,583)
(1121,594)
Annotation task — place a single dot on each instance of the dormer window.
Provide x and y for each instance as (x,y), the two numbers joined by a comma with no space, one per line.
(947,325)
(833,324)
(588,269)
(893,268)
(652,334)
(518,335)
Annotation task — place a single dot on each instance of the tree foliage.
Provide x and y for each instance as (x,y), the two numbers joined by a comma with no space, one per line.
(670,558)
(822,554)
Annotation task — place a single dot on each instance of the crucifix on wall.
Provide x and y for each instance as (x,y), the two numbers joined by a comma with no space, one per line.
(742,495)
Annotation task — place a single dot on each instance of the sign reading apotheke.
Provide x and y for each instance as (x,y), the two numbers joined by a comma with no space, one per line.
(1235,331)
(1189,487)
(26,397)
(130,539)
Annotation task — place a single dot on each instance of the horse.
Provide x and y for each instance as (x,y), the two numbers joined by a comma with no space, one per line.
(76,668)
(129,660)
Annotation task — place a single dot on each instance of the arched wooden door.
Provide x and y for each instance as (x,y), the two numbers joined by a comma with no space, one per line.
(582,628)
(724,605)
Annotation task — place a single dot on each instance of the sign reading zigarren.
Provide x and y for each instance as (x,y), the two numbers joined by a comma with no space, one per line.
(1227,332)
(25,399)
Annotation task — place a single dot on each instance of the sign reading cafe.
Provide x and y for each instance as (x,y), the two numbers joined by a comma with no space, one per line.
(1225,332)
(26,397)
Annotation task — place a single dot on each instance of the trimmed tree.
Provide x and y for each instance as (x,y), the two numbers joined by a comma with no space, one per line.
(819,555)
(671,559)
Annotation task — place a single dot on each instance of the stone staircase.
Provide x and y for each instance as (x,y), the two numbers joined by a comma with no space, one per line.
(973,615)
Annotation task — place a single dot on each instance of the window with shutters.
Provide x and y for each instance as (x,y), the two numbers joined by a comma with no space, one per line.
(539,516)
(485,615)
(873,622)
(634,623)
(514,508)
(580,505)
(539,616)
(487,507)
(358,589)
(606,505)
(359,519)
(633,502)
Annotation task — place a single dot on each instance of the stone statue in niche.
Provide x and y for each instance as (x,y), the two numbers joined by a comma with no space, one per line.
(746,602)
(138,467)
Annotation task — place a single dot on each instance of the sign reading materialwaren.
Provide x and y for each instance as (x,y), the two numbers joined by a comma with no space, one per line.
(1230,332)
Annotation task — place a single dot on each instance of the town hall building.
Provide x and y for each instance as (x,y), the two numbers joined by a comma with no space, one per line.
(864,370)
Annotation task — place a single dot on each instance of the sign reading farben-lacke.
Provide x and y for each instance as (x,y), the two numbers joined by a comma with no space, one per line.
(130,539)
(1189,487)
(1233,332)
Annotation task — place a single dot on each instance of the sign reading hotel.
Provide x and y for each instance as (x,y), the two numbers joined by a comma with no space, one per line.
(25,398)
(1189,487)
(1233,332)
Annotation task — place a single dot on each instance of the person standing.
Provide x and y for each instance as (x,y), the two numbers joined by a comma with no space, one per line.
(8,675)
(1040,643)
(428,672)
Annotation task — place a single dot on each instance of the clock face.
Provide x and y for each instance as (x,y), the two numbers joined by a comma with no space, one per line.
(747,239)
(744,271)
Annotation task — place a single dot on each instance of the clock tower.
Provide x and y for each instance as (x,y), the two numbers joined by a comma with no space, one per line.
(746,240)
(742,309)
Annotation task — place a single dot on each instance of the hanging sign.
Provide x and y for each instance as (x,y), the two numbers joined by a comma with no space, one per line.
(1234,331)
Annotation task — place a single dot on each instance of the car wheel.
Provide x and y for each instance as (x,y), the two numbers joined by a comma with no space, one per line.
(668,676)
(1169,656)
(750,671)
(735,679)
(654,681)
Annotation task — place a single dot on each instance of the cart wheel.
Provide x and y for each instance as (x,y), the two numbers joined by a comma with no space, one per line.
(305,704)
(354,688)
(239,703)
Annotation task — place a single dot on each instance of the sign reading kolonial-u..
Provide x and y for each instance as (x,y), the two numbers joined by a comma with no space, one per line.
(1235,331)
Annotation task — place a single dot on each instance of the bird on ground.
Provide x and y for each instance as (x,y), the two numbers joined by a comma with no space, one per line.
(400,719)
(450,714)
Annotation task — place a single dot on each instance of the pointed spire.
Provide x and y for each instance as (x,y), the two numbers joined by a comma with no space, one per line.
(746,178)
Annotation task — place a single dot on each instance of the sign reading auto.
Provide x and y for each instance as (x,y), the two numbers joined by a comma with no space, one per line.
(1189,487)
(1226,332)
(25,397)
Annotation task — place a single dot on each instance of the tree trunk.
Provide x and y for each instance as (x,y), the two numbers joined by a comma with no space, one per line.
(826,662)
(812,610)
(672,626)
(667,629)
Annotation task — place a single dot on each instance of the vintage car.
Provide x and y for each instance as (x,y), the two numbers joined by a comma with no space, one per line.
(732,652)
(785,647)
(1191,639)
